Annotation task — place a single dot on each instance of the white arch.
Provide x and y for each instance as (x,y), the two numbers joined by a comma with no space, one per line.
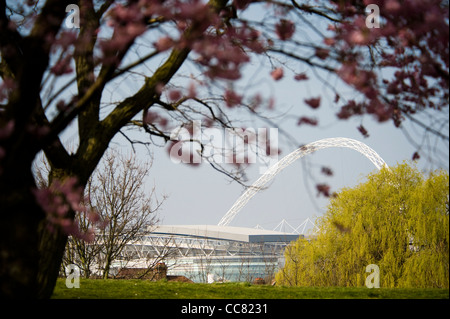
(289,159)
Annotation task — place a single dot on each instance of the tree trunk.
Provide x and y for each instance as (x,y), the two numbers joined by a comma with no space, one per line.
(52,244)
(51,247)
(107,267)
(20,216)
(30,254)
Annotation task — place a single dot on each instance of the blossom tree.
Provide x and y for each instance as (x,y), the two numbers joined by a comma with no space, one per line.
(187,56)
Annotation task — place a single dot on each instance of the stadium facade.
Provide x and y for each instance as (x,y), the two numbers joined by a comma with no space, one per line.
(207,253)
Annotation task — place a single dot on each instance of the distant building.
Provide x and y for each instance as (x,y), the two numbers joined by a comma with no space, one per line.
(207,253)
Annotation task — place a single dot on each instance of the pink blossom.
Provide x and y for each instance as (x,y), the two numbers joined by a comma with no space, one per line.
(256,101)
(192,93)
(350,109)
(159,88)
(6,87)
(88,236)
(150,117)
(357,37)
(38,131)
(66,39)
(222,56)
(433,16)
(208,122)
(277,74)
(62,66)
(242,4)
(307,120)
(322,53)
(175,95)
(120,40)
(58,200)
(7,130)
(409,28)
(301,77)
(392,5)
(347,72)
(135,29)
(329,41)
(232,99)
(124,15)
(363,131)
(164,43)
(163,122)
(93,216)
(61,105)
(226,73)
(327,171)
(271,104)
(128,23)
(313,102)
(248,37)
(285,29)
(323,189)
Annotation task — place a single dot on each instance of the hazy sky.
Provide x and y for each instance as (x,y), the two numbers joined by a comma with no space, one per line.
(201,195)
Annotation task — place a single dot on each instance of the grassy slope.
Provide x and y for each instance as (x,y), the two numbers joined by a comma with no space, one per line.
(140,289)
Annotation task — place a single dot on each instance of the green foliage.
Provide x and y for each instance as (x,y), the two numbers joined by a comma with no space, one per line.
(397,219)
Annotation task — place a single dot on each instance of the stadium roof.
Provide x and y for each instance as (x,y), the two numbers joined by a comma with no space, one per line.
(250,235)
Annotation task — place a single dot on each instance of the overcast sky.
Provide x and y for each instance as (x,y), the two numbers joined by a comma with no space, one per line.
(201,195)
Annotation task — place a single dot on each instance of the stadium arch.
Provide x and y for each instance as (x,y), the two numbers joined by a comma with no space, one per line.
(341,142)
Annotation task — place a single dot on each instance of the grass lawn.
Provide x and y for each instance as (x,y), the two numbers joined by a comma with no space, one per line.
(141,289)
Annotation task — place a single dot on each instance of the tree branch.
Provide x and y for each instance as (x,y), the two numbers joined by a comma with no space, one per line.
(10,43)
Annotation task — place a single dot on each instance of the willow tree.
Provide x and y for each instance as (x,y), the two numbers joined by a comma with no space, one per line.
(57,70)
(398,220)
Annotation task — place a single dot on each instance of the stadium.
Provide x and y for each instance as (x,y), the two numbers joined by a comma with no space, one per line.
(208,253)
